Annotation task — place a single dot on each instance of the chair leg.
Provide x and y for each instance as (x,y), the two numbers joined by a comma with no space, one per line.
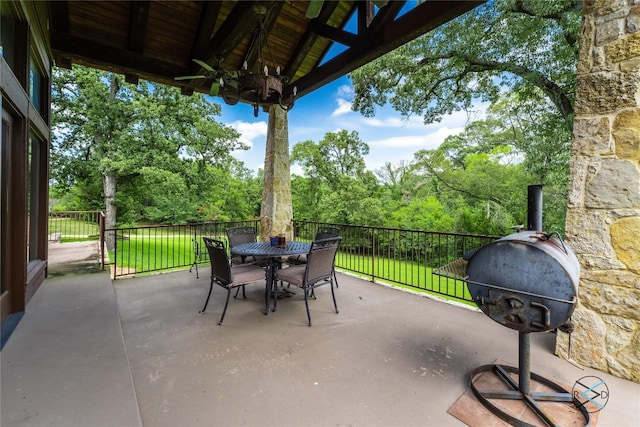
(225,306)
(244,295)
(306,303)
(335,278)
(333,294)
(208,296)
(195,264)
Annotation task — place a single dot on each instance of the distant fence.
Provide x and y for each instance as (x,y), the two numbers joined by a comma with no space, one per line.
(76,226)
(400,257)
(165,247)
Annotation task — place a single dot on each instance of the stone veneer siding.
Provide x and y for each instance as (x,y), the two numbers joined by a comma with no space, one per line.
(276,213)
(603,216)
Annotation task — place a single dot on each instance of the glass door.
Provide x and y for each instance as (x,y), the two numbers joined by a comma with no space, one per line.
(5,139)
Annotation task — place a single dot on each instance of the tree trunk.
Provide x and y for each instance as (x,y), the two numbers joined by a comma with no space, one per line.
(109,183)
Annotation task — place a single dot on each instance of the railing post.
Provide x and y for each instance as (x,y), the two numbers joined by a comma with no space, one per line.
(101,238)
(373,255)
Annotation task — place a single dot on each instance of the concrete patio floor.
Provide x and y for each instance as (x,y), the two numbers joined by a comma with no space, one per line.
(136,352)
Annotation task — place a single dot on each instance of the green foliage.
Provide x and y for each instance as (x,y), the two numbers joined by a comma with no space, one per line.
(528,46)
(169,159)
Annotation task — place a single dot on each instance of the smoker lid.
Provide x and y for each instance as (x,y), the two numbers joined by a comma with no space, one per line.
(527,281)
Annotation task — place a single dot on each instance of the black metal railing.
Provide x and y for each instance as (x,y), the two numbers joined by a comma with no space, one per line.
(76,226)
(164,247)
(401,257)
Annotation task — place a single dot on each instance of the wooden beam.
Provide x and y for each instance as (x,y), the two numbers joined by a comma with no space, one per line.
(270,21)
(304,47)
(420,20)
(334,34)
(63,62)
(109,58)
(208,19)
(239,24)
(60,16)
(131,78)
(138,25)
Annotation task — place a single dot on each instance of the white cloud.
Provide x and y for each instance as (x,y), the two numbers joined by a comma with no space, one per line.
(250,131)
(423,141)
(345,91)
(344,107)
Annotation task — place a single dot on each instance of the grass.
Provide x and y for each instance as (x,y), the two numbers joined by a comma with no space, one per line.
(404,274)
(68,227)
(141,254)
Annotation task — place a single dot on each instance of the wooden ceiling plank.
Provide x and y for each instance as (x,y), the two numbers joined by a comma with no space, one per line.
(138,25)
(308,40)
(208,20)
(60,16)
(273,11)
(235,28)
(85,50)
(420,20)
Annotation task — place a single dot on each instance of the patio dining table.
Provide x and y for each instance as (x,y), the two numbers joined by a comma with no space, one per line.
(274,254)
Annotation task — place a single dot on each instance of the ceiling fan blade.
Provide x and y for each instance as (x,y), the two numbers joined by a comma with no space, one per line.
(314,9)
(204,65)
(189,77)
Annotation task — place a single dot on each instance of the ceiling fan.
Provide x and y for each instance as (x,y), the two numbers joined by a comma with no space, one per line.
(258,87)
(219,75)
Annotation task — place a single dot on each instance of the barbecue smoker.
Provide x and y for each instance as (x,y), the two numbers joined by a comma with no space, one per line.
(527,281)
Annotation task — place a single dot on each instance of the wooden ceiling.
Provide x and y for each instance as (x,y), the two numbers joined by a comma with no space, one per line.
(157,40)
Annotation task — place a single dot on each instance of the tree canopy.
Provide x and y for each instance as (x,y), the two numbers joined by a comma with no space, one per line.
(144,150)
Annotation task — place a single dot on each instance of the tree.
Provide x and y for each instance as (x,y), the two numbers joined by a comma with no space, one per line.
(529,46)
(335,176)
(104,128)
(519,55)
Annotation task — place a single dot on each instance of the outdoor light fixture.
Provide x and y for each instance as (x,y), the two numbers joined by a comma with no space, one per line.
(260,88)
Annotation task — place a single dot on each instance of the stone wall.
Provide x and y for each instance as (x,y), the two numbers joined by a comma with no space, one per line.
(603,216)
(276,213)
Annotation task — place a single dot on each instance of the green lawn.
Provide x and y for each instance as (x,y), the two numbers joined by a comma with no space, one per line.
(140,254)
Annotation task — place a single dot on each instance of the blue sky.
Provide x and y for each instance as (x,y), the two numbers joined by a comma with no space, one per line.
(390,137)
(328,109)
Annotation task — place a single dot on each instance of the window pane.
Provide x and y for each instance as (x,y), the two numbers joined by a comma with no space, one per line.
(35,86)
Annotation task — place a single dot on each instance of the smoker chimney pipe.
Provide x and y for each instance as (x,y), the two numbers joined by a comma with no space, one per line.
(534,208)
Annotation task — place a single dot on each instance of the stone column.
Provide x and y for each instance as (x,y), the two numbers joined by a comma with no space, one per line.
(603,216)
(276,212)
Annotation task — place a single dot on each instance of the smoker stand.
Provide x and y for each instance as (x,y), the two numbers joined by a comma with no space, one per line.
(522,389)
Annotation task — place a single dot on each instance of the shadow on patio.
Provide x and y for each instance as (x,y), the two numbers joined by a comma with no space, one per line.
(84,355)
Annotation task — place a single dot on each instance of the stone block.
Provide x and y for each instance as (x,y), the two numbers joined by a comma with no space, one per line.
(614,277)
(591,136)
(633,20)
(604,93)
(622,49)
(630,65)
(585,49)
(608,31)
(620,333)
(603,7)
(625,242)
(626,132)
(588,342)
(577,180)
(611,300)
(587,232)
(612,184)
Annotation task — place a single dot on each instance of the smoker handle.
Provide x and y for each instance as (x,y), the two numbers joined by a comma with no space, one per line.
(546,315)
